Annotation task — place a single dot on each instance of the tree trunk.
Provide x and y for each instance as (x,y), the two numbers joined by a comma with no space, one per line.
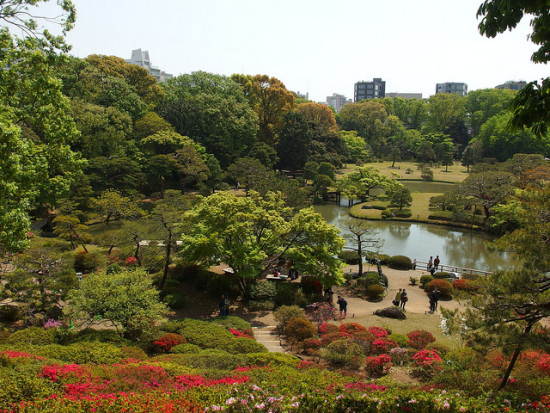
(167,260)
(359,250)
(514,357)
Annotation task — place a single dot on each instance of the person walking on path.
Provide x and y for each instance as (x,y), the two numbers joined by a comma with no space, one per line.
(397,300)
(431,296)
(414,264)
(436,262)
(223,306)
(436,298)
(343,306)
(430,263)
(404,299)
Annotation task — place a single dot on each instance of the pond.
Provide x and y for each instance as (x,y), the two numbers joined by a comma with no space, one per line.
(455,247)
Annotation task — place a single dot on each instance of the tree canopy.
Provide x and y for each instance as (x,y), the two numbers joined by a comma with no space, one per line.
(251,233)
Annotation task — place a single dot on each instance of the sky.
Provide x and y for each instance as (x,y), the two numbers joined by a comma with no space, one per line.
(318,47)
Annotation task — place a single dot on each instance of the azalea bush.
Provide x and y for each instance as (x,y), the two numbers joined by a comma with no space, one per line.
(419,339)
(426,363)
(378,332)
(167,341)
(383,345)
(377,366)
(352,328)
(321,312)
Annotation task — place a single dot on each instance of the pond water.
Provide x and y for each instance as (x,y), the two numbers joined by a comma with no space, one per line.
(455,247)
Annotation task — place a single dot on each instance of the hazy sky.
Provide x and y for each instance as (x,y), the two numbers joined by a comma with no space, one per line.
(321,47)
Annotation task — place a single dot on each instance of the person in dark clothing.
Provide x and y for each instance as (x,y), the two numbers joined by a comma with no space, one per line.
(343,306)
(404,299)
(436,262)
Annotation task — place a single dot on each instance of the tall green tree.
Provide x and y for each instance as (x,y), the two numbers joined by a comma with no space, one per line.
(37,165)
(357,185)
(529,107)
(213,111)
(363,234)
(123,298)
(251,233)
(294,140)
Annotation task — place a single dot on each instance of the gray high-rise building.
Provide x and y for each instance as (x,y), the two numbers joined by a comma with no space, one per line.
(452,87)
(369,90)
(141,58)
(337,101)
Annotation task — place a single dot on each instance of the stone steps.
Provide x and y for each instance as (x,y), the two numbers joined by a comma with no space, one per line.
(269,337)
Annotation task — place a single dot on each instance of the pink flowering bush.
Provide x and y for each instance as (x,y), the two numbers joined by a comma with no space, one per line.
(238,333)
(321,312)
(378,332)
(426,363)
(377,366)
(51,323)
(419,339)
(383,345)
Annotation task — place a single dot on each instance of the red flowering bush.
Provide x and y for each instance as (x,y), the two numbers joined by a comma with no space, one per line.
(167,341)
(326,328)
(426,363)
(544,364)
(378,365)
(352,328)
(311,343)
(320,312)
(329,338)
(445,288)
(465,285)
(19,354)
(131,261)
(378,332)
(383,345)
(419,339)
(238,333)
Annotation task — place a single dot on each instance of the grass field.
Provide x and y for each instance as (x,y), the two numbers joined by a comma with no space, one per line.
(456,173)
(419,208)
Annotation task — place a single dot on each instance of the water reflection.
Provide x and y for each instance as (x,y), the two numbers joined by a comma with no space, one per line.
(461,248)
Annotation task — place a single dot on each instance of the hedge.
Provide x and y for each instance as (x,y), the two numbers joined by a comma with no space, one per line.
(445,288)
(400,262)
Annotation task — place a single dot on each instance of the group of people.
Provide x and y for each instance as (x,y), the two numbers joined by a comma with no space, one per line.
(433,265)
(401,298)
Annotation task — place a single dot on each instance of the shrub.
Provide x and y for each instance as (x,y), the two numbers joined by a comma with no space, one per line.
(440,275)
(342,352)
(465,285)
(378,332)
(289,294)
(244,345)
(176,301)
(113,269)
(284,313)
(216,285)
(445,288)
(203,333)
(262,291)
(133,352)
(370,278)
(312,344)
(399,355)
(298,329)
(426,173)
(426,363)
(441,349)
(384,258)
(400,339)
(186,348)
(419,339)
(213,360)
(327,328)
(383,345)
(32,335)
(400,262)
(375,292)
(236,323)
(378,365)
(311,285)
(82,353)
(425,279)
(167,341)
(270,359)
(352,328)
(404,213)
(320,312)
(87,262)
(9,313)
(104,336)
(20,385)
(349,257)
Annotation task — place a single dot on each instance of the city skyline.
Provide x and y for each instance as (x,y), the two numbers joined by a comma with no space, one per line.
(318,48)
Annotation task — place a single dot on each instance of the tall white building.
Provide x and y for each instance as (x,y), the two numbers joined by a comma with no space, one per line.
(337,101)
(141,58)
